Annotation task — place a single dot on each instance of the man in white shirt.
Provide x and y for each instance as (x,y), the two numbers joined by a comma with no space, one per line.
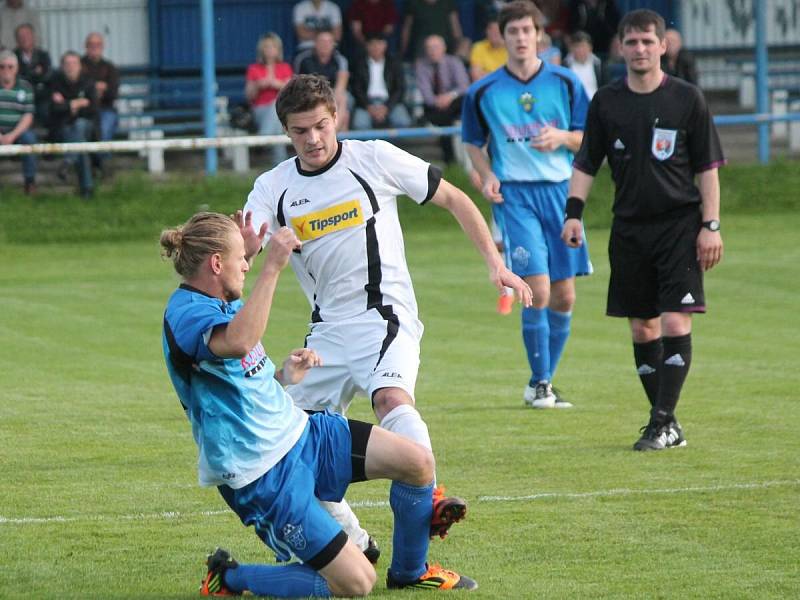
(583,62)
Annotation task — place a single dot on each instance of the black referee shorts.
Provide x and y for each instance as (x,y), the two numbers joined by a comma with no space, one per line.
(654,267)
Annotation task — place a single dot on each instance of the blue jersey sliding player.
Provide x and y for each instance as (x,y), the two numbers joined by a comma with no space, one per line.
(271,462)
(531,114)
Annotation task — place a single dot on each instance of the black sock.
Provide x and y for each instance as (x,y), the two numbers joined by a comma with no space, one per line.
(674,369)
(648,358)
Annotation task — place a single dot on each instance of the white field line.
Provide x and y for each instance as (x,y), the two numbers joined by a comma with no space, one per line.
(174,515)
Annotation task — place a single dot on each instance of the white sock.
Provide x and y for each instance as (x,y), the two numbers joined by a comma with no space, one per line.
(406,421)
(345,516)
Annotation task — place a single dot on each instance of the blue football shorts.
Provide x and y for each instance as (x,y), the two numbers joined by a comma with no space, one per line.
(531,217)
(282,504)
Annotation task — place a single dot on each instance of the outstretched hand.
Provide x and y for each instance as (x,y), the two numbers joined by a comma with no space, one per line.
(297,364)
(252,240)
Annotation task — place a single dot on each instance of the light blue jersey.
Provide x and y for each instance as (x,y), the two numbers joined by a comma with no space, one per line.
(507,113)
(242,420)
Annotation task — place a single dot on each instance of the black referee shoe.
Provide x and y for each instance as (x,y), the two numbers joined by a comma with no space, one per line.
(654,437)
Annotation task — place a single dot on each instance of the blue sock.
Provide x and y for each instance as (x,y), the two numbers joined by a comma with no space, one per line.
(412,507)
(536,336)
(559,332)
(286,581)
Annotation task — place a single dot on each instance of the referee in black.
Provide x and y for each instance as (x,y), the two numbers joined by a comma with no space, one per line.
(664,151)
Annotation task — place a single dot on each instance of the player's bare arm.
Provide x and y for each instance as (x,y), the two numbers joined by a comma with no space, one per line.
(296,365)
(238,337)
(472,222)
(490,187)
(551,139)
(709,243)
(580,184)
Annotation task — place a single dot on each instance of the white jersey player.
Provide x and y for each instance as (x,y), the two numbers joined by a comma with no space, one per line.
(340,200)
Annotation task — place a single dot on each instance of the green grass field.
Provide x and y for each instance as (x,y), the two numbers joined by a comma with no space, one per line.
(99,496)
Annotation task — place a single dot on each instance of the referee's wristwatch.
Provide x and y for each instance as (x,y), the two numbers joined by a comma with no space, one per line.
(712,225)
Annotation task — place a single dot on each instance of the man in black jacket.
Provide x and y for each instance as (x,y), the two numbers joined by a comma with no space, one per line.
(34,67)
(73,112)
(378,86)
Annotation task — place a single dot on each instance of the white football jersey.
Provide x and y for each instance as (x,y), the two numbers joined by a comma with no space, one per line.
(353,256)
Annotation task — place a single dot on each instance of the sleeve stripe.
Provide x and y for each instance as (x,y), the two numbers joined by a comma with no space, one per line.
(434,179)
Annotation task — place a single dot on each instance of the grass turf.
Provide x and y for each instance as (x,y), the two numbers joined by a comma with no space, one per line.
(99,494)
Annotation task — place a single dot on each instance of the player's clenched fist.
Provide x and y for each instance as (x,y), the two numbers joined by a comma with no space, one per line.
(280,247)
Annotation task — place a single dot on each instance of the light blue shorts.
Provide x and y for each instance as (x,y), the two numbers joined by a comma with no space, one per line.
(531,217)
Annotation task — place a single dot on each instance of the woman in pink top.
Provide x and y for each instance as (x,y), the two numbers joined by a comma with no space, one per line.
(263,81)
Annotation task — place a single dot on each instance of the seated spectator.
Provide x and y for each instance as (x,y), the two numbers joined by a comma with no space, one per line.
(12,15)
(488,54)
(678,61)
(311,16)
(442,80)
(324,59)
(265,78)
(424,18)
(614,66)
(583,62)
(16,114)
(378,88)
(73,110)
(546,51)
(36,68)
(372,17)
(106,84)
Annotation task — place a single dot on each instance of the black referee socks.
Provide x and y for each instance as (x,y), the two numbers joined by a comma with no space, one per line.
(648,365)
(677,359)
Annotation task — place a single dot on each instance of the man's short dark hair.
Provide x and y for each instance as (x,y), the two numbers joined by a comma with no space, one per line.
(642,20)
(24,26)
(580,37)
(70,53)
(374,35)
(303,93)
(519,9)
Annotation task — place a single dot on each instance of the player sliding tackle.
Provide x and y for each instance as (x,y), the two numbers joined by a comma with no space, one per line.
(272,462)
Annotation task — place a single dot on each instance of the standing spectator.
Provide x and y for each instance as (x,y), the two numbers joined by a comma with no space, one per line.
(425,18)
(73,111)
(583,62)
(442,80)
(659,138)
(488,54)
(677,60)
(106,84)
(598,18)
(12,15)
(531,114)
(378,87)
(614,65)
(372,17)
(16,115)
(265,78)
(36,68)
(324,59)
(547,51)
(312,16)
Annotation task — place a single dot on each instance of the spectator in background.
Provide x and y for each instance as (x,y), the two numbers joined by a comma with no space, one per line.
(424,18)
(378,87)
(678,61)
(73,111)
(312,16)
(488,54)
(584,63)
(12,15)
(546,51)
(324,59)
(264,79)
(16,114)
(442,80)
(106,84)
(36,68)
(614,66)
(598,18)
(372,17)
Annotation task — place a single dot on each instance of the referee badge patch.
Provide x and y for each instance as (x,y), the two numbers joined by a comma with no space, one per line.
(663,142)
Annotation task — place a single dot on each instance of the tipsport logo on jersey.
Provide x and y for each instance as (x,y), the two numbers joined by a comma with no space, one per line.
(322,222)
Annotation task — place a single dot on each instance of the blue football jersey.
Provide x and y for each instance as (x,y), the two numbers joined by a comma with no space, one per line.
(243,422)
(507,113)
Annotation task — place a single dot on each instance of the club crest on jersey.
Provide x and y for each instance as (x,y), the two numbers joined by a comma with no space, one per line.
(334,218)
(293,534)
(664,143)
(526,100)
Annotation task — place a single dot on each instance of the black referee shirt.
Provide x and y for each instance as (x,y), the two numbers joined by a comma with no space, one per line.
(655,144)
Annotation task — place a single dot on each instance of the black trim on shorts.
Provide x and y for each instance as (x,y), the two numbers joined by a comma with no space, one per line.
(359,436)
(392,327)
(328,553)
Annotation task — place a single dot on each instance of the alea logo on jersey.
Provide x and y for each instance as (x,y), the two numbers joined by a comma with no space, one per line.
(526,100)
(300,202)
(335,218)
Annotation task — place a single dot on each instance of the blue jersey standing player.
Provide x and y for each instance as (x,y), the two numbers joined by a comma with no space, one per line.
(532,115)
(271,462)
